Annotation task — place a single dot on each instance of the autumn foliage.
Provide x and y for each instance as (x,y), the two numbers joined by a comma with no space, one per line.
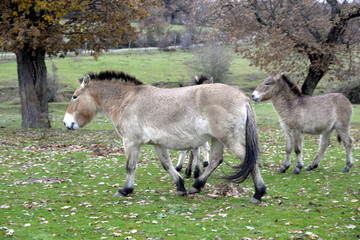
(33,29)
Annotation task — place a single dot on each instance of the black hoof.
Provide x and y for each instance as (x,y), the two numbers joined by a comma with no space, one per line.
(296,171)
(194,190)
(181,194)
(178,168)
(310,168)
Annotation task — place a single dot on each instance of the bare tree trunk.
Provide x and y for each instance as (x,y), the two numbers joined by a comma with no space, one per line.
(312,79)
(33,88)
(319,65)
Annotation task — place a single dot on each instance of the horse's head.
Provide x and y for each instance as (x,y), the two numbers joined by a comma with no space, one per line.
(266,89)
(82,108)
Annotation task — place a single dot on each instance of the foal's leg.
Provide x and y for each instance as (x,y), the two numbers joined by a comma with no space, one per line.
(163,155)
(347,142)
(216,157)
(195,152)
(298,139)
(324,143)
(182,156)
(132,155)
(206,153)
(188,169)
(289,149)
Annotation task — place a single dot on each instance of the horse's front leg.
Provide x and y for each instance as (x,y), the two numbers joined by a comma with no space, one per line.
(298,147)
(163,155)
(288,150)
(132,153)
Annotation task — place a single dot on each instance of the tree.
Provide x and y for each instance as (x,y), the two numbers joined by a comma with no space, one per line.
(313,37)
(33,29)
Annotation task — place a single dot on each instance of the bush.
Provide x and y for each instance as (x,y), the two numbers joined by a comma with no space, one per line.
(212,60)
(351,90)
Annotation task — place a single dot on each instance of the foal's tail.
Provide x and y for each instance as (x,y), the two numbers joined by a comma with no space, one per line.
(252,149)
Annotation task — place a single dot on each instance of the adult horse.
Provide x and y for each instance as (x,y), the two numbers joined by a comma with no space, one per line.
(144,114)
(299,114)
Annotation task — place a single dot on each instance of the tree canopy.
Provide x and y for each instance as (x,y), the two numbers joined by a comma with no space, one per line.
(308,38)
(63,26)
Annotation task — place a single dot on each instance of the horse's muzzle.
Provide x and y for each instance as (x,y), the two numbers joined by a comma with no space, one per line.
(70,122)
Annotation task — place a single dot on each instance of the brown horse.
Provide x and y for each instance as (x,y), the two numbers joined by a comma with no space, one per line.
(144,114)
(301,114)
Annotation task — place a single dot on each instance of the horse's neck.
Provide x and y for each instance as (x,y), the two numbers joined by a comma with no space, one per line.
(112,98)
(284,103)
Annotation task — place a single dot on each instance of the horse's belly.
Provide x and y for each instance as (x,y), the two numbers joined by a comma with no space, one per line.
(175,141)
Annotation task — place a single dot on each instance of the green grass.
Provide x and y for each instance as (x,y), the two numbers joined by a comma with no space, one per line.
(58,184)
(88,166)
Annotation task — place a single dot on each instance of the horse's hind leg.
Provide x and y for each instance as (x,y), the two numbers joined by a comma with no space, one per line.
(324,143)
(260,187)
(167,165)
(347,142)
(216,157)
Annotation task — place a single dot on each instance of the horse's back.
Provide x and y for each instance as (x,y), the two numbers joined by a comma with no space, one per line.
(319,114)
(175,117)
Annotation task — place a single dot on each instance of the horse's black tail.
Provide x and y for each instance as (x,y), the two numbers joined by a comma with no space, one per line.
(251,147)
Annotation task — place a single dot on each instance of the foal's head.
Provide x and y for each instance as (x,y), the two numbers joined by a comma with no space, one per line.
(82,108)
(273,85)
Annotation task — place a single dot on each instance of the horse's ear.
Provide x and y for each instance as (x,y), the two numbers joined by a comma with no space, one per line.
(196,79)
(279,75)
(85,81)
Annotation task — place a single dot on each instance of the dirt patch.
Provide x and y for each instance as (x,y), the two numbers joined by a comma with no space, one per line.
(8,94)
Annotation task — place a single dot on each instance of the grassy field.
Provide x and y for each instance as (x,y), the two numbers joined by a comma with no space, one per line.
(58,184)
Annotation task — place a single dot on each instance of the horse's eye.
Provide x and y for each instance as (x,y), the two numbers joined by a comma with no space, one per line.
(267,84)
(74,97)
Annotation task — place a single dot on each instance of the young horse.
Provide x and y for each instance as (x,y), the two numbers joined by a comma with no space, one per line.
(144,114)
(195,153)
(301,114)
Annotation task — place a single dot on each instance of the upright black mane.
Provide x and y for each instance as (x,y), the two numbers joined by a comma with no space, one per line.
(114,75)
(201,80)
(293,87)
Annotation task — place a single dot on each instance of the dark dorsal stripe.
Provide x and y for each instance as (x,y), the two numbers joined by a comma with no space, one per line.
(114,75)
(293,87)
(201,80)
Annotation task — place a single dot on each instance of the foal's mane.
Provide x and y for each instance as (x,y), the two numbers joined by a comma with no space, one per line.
(114,75)
(293,87)
(201,80)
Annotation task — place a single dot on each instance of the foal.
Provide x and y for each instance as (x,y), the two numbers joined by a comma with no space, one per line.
(194,155)
(299,114)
